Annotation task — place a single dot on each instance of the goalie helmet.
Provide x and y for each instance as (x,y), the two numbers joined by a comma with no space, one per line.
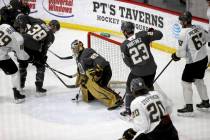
(138,87)
(186,17)
(55,25)
(77,47)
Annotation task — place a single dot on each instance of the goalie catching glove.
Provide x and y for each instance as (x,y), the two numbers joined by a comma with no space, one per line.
(96,72)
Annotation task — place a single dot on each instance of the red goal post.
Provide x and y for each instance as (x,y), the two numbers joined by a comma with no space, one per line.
(109,48)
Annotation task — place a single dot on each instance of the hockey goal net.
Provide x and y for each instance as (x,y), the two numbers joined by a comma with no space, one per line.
(110,50)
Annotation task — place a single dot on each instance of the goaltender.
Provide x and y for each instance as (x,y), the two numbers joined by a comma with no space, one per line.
(94,75)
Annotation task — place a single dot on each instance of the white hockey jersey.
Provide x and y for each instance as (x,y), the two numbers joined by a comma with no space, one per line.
(192,44)
(10,40)
(147,111)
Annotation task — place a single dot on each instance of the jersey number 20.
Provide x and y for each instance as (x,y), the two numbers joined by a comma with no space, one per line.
(156,111)
(139,53)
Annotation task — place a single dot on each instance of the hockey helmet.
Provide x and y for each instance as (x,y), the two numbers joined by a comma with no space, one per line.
(186,17)
(15,4)
(138,87)
(77,47)
(128,27)
(20,23)
(55,25)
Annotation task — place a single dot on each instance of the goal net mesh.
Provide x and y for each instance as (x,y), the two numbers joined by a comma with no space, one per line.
(110,50)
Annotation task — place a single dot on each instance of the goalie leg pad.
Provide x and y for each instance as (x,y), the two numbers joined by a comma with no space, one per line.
(81,80)
(86,96)
(105,95)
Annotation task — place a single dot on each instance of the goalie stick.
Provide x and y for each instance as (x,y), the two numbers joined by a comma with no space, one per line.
(69,76)
(62,58)
(68,86)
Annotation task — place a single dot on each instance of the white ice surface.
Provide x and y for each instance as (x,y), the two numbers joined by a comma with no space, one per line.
(56,117)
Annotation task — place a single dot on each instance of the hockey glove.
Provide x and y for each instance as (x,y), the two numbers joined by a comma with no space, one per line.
(98,70)
(174,57)
(150,31)
(90,72)
(129,134)
(31,59)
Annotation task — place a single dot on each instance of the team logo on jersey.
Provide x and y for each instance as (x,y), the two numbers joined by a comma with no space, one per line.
(176,29)
(58,8)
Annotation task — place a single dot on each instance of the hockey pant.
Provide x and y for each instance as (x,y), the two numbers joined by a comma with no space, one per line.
(39,74)
(165,130)
(90,90)
(148,79)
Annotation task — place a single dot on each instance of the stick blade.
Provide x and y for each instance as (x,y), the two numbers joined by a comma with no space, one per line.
(71,86)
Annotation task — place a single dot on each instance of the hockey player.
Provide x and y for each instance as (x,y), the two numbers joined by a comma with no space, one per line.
(192,47)
(138,57)
(150,115)
(10,41)
(37,39)
(95,73)
(9,12)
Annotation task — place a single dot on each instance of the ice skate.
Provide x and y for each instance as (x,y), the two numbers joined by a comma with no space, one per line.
(187,111)
(19,98)
(204,106)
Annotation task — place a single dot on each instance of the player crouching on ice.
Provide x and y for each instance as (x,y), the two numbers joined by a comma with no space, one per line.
(150,112)
(94,75)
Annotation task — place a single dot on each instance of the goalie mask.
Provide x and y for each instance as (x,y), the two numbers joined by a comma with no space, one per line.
(138,87)
(77,47)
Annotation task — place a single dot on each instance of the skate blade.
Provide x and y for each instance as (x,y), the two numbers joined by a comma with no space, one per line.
(18,101)
(189,114)
(40,94)
(203,109)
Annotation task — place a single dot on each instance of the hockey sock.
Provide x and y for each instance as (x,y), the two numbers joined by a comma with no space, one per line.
(187,92)
(16,80)
(201,88)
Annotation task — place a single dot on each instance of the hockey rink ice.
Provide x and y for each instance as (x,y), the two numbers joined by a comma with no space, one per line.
(57,117)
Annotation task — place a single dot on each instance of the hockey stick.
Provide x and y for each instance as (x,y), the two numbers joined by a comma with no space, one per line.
(69,76)
(156,77)
(62,58)
(162,71)
(32,12)
(68,86)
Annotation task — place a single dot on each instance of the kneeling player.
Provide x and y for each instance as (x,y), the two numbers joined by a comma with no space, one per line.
(94,75)
(150,115)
